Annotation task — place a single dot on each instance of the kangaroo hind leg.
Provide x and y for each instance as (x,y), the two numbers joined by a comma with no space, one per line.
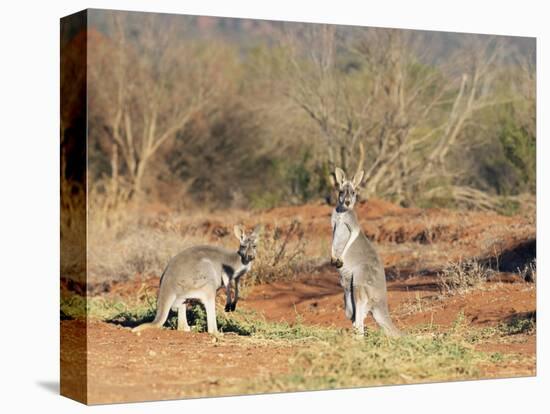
(360,300)
(210,306)
(182,318)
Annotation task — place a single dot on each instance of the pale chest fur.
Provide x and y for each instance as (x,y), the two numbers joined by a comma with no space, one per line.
(342,225)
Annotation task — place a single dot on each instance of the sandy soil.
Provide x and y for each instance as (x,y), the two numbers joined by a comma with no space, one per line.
(414,244)
(161,364)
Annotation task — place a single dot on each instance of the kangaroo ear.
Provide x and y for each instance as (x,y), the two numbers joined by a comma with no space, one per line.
(357,178)
(332,179)
(340,176)
(238,232)
(256,231)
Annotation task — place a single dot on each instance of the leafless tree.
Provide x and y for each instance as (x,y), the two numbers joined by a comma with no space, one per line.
(381,110)
(147,83)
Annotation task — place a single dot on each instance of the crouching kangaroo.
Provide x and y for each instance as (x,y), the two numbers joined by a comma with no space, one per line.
(361,271)
(197,273)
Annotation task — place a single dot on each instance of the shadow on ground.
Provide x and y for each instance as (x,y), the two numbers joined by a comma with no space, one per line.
(196,318)
(51,386)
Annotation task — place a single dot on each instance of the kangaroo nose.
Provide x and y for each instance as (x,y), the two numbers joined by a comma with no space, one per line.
(347,202)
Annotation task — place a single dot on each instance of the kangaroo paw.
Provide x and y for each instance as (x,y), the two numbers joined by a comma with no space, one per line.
(142,327)
(336,262)
(233,306)
(228,307)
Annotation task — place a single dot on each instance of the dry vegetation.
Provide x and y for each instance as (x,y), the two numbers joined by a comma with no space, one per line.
(463,276)
(434,119)
(323,357)
(140,245)
(281,254)
(197,127)
(461,321)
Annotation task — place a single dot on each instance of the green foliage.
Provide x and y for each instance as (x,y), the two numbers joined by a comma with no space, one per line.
(292,181)
(520,152)
(122,312)
(300,178)
(505,163)
(265,200)
(509,207)
(523,324)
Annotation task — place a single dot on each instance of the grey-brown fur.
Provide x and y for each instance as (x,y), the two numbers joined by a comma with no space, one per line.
(197,273)
(361,271)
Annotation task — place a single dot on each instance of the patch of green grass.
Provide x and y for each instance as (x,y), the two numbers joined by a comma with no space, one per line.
(519,325)
(196,317)
(508,207)
(241,322)
(249,323)
(421,356)
(108,310)
(334,358)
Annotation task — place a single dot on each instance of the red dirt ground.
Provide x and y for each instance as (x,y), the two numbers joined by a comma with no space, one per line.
(414,244)
(166,364)
(317,300)
(161,364)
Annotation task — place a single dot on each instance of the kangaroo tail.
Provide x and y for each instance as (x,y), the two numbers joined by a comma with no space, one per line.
(382,317)
(164,303)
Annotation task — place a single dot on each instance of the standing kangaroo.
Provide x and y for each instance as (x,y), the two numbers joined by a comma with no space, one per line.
(361,271)
(197,273)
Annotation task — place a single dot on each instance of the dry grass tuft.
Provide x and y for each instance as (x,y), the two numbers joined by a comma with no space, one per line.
(125,243)
(529,272)
(280,253)
(463,276)
(137,250)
